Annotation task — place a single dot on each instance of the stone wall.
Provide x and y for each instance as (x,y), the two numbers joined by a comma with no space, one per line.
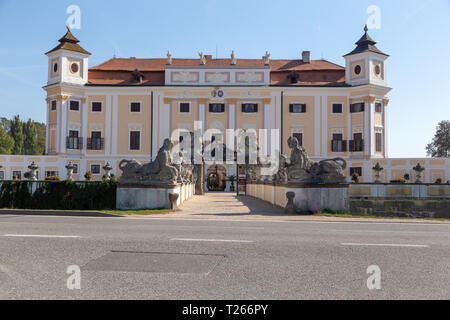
(402,200)
(308,197)
(144,196)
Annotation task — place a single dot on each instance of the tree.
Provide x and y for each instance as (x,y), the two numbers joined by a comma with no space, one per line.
(16,132)
(440,147)
(30,144)
(6,142)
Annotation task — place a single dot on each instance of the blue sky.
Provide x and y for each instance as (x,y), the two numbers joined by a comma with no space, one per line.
(414,32)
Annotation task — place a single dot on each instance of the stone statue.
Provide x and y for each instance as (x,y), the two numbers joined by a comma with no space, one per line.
(161,171)
(233,58)
(266,58)
(169,58)
(202,58)
(281,175)
(301,169)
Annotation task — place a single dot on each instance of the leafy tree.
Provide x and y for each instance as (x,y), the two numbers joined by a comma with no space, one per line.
(6,142)
(440,147)
(30,146)
(16,132)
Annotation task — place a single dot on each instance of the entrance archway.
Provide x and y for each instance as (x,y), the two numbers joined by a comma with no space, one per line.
(216,178)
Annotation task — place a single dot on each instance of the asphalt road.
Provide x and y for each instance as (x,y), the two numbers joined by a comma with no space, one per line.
(158,258)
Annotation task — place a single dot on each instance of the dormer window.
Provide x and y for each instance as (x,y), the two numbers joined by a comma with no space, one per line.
(293,77)
(137,76)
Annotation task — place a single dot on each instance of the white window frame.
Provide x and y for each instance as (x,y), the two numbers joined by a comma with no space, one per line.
(342,105)
(79,105)
(140,139)
(224,109)
(95,164)
(92,105)
(297,113)
(179,107)
(140,107)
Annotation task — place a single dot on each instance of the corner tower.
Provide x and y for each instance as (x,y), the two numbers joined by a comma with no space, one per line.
(366,64)
(68,62)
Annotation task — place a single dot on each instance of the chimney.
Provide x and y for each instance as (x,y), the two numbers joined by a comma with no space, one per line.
(208,57)
(306,56)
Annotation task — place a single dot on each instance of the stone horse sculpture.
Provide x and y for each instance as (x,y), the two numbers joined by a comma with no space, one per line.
(302,169)
(160,171)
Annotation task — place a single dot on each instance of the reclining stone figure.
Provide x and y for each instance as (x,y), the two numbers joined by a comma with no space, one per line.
(160,171)
(302,169)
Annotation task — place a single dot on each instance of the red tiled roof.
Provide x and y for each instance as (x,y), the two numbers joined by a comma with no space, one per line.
(117,71)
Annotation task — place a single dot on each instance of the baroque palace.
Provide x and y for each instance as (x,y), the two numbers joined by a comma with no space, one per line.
(125,108)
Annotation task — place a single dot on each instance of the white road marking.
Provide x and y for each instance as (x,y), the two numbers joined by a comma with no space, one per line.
(386,245)
(212,240)
(38,236)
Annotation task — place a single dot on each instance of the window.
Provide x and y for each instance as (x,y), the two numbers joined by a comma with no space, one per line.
(378,107)
(337,107)
(95,168)
(135,140)
(299,137)
(73,142)
(357,107)
(95,142)
(135,107)
(17,175)
(96,107)
(185,107)
(358,170)
(249,107)
(357,144)
(2,175)
(51,174)
(297,108)
(74,105)
(378,142)
(216,108)
(53,107)
(75,169)
(358,69)
(338,144)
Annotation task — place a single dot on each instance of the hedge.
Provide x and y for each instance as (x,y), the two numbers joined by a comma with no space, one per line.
(58,195)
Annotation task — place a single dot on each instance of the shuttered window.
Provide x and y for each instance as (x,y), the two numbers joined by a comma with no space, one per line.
(338,144)
(357,107)
(297,108)
(53,105)
(217,108)
(249,108)
(358,170)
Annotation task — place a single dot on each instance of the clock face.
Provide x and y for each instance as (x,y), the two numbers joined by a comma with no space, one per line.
(74,67)
(358,69)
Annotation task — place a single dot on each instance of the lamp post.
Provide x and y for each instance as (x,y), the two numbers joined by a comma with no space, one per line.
(107,168)
(33,168)
(418,169)
(70,167)
(377,170)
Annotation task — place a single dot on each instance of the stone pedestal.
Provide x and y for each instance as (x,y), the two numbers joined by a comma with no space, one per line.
(317,198)
(152,196)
